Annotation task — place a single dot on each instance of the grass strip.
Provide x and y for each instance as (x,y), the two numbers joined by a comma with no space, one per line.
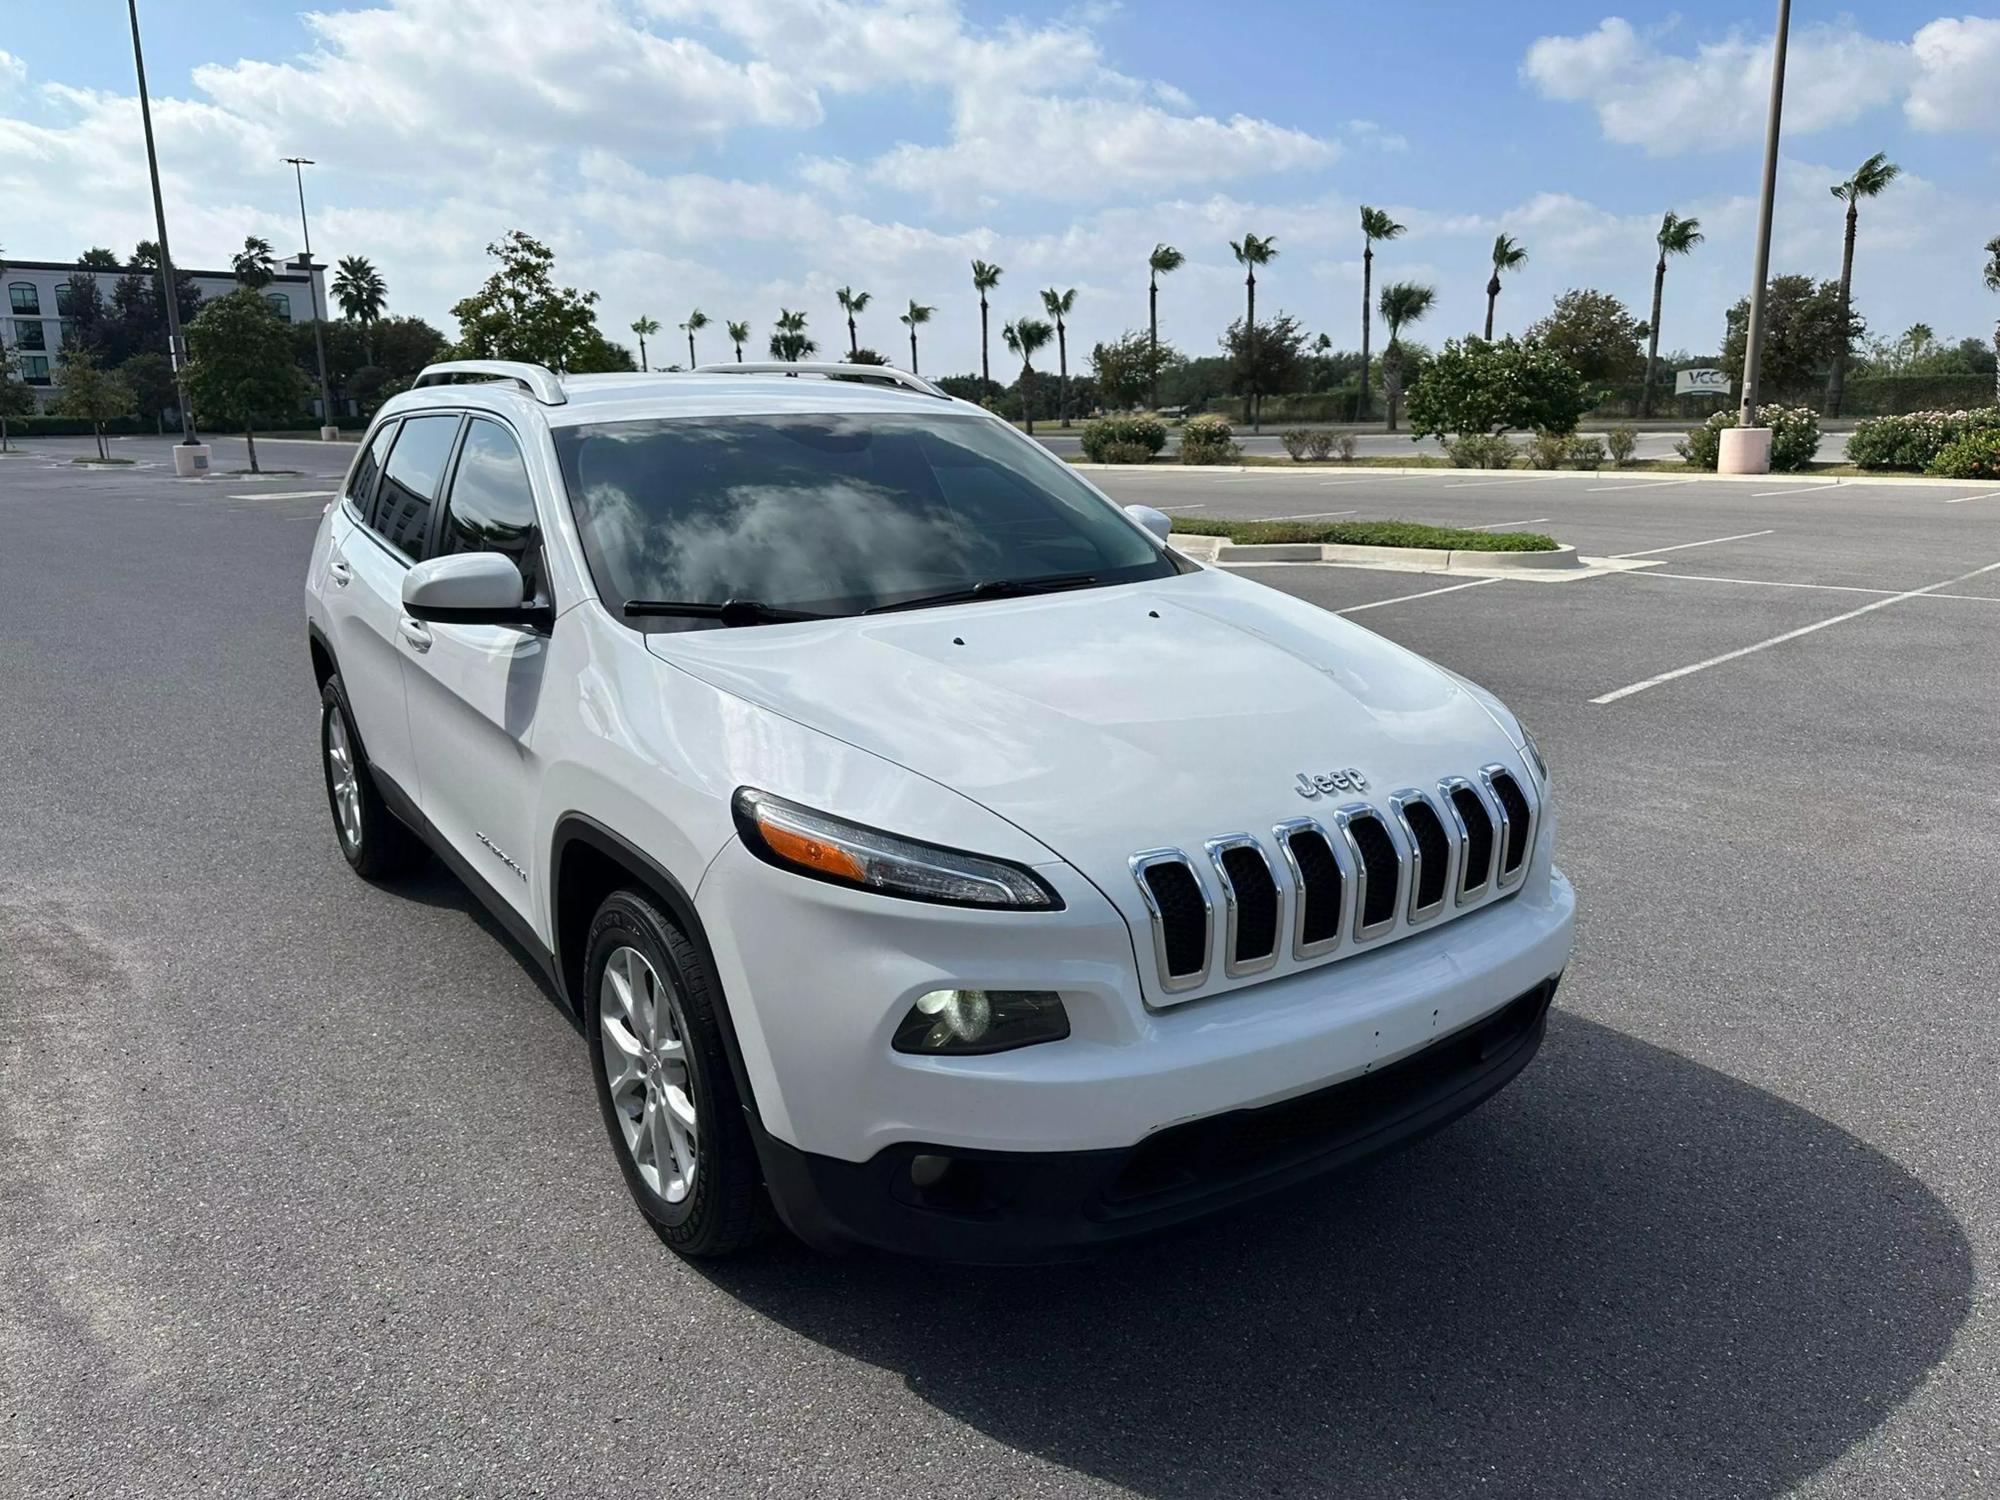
(1366,534)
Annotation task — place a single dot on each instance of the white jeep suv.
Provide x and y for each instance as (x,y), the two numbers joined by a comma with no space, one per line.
(929,853)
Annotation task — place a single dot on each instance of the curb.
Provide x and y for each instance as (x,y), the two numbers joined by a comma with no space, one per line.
(1215,549)
(1669,477)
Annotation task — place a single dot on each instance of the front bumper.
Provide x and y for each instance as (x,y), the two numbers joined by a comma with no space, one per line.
(1012,1207)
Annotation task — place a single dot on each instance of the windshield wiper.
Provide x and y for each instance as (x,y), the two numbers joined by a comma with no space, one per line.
(728,612)
(992,588)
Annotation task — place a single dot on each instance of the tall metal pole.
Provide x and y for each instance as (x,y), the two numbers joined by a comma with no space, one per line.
(1753,342)
(299,165)
(170,290)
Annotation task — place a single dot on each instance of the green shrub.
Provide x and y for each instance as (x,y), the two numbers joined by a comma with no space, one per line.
(1547,450)
(1474,386)
(1586,452)
(1343,447)
(1367,534)
(1305,443)
(1207,440)
(1479,450)
(1144,431)
(1974,456)
(1912,441)
(1623,442)
(1122,453)
(1794,437)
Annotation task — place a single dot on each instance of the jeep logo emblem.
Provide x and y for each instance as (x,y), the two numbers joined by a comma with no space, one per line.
(1349,780)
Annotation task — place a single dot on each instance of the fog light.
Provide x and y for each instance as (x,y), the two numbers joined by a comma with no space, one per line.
(964,1022)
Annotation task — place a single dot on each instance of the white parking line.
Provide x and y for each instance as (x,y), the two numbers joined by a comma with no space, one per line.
(1643,484)
(1982,495)
(1355,609)
(1790,635)
(1312,515)
(1503,525)
(287,495)
(1327,484)
(1832,588)
(1190,507)
(1795,489)
(1741,536)
(1466,484)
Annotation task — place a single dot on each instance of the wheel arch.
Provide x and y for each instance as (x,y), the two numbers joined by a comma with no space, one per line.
(321,652)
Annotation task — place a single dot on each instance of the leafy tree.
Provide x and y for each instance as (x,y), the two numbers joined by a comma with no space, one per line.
(1027,337)
(1869,179)
(90,393)
(1128,367)
(644,328)
(83,314)
(1403,303)
(151,378)
(1058,305)
(1802,333)
(242,372)
(1252,252)
(915,318)
(403,346)
(1270,359)
(99,259)
(852,302)
(1677,236)
(1990,274)
(1164,259)
(1595,334)
(17,397)
(1507,255)
(984,278)
(738,332)
(1375,225)
(697,320)
(1478,387)
(790,341)
(594,354)
(521,314)
(254,265)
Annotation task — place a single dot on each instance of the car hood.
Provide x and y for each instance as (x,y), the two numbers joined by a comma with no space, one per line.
(1107,721)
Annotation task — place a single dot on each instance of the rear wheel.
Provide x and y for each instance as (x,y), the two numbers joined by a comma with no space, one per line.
(372,839)
(670,1104)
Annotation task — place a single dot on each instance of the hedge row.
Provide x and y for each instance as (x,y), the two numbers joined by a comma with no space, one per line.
(1915,440)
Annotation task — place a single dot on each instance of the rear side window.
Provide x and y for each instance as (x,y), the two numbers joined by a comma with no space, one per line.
(361,488)
(410,483)
(492,504)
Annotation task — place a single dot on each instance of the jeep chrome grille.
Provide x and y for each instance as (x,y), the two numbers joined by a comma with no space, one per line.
(1318,887)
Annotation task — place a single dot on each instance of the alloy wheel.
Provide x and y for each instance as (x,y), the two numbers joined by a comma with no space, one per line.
(646,1065)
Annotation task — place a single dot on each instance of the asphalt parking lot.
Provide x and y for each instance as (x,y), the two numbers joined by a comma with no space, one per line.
(303,1189)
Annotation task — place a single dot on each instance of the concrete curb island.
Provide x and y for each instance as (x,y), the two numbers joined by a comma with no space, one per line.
(1636,475)
(1560,566)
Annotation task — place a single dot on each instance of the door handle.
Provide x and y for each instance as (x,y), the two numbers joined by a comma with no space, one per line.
(415,634)
(340,572)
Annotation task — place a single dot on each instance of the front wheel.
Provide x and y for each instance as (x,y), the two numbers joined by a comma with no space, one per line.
(669,1101)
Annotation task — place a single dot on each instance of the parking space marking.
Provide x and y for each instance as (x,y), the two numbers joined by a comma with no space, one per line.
(1796,489)
(1983,495)
(1832,588)
(1450,588)
(1466,484)
(1741,536)
(1790,635)
(1311,515)
(1327,484)
(287,495)
(1643,484)
(1503,525)
(1178,506)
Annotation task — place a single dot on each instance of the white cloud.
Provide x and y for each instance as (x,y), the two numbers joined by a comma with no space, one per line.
(1958,75)
(1667,102)
(13,72)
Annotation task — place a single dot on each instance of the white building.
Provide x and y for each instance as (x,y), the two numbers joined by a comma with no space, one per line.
(34,318)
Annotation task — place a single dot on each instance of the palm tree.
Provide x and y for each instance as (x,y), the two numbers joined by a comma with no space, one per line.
(790,342)
(984,279)
(1251,253)
(645,328)
(698,320)
(738,332)
(918,314)
(1990,274)
(1677,236)
(1059,305)
(1164,258)
(254,265)
(1403,302)
(1375,225)
(1869,178)
(853,302)
(362,294)
(1507,254)
(1026,336)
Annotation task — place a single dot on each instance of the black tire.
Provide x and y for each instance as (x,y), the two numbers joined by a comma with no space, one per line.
(726,1208)
(382,845)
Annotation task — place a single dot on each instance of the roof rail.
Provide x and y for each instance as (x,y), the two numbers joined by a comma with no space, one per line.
(870,374)
(538,381)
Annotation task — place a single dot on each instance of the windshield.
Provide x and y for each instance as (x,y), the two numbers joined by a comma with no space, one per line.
(835,514)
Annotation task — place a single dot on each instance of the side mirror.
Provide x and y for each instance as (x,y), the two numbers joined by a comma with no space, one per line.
(470,588)
(1156,521)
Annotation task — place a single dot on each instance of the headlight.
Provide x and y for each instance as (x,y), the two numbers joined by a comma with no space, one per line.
(813,843)
(966,1022)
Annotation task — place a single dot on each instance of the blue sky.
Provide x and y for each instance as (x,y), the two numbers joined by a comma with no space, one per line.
(740,155)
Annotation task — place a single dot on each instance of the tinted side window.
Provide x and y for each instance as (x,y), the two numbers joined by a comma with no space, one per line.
(362,487)
(492,505)
(410,482)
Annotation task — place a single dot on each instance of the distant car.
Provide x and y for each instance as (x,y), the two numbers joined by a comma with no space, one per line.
(930,852)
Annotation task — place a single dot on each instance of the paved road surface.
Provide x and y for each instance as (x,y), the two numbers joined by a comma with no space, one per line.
(303,1190)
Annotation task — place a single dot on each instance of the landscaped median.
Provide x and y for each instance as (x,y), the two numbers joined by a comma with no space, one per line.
(1381,544)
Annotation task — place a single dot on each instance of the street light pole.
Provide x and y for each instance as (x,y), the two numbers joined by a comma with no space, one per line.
(169,288)
(299,165)
(1753,342)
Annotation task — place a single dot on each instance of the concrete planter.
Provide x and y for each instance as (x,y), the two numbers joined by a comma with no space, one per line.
(1744,450)
(191,460)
